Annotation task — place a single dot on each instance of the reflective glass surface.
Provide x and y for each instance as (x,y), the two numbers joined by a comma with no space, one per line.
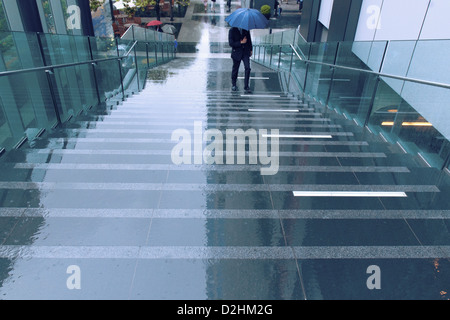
(36,100)
(371,100)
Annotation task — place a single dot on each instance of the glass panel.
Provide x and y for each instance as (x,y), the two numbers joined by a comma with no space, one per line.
(323,52)
(108,78)
(288,37)
(352,92)
(128,35)
(386,107)
(318,81)
(74,89)
(151,54)
(139,34)
(284,57)
(141,54)
(301,45)
(299,71)
(103,48)
(399,121)
(129,72)
(5,130)
(397,61)
(19,50)
(361,55)
(60,49)
(26,106)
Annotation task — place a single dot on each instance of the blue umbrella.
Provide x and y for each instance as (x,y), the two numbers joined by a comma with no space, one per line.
(247,19)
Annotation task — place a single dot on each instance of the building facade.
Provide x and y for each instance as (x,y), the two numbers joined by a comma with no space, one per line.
(49,16)
(375,20)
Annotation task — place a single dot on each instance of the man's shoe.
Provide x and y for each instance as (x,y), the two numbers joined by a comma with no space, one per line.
(234,88)
(247,90)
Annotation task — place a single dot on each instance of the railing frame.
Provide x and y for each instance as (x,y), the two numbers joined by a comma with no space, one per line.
(51,81)
(378,76)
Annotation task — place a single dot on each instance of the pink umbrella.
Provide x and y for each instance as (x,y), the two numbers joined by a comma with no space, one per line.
(154,23)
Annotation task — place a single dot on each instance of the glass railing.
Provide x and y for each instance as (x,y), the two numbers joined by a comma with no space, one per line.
(389,87)
(46,79)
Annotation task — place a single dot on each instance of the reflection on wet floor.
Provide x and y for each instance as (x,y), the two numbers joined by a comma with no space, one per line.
(103,193)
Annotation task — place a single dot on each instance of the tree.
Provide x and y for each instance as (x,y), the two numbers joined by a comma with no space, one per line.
(95,4)
(131,6)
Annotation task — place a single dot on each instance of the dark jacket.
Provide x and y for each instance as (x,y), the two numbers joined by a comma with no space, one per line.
(238,49)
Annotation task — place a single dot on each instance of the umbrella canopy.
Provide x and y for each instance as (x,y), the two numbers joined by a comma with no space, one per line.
(154,23)
(120,5)
(168,28)
(247,19)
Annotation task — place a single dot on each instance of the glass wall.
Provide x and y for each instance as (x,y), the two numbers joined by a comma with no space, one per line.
(4,25)
(357,79)
(39,86)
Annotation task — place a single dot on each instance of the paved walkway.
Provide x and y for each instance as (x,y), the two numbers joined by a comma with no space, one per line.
(198,24)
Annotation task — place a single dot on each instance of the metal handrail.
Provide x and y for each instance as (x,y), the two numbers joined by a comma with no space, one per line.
(65,65)
(48,71)
(71,64)
(131,48)
(378,74)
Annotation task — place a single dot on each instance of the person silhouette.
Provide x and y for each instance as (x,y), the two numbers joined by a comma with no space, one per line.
(242,49)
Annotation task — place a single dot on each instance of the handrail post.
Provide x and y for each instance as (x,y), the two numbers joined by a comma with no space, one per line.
(264,55)
(270,59)
(372,101)
(279,55)
(290,71)
(293,40)
(41,48)
(333,70)
(306,77)
(49,72)
(94,71)
(446,161)
(148,60)
(331,86)
(119,63)
(137,67)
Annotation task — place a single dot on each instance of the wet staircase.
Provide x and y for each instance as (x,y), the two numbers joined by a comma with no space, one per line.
(97,208)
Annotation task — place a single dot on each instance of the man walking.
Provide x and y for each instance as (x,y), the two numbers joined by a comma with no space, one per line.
(241,43)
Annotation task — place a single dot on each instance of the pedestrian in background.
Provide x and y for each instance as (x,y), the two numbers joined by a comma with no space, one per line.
(242,49)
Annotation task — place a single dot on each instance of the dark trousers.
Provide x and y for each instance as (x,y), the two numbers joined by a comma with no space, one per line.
(235,71)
